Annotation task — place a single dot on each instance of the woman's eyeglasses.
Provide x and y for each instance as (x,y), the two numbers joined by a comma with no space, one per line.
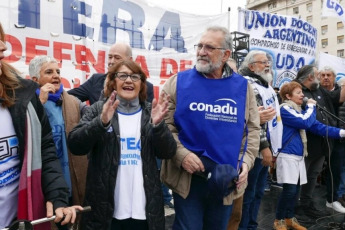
(123,76)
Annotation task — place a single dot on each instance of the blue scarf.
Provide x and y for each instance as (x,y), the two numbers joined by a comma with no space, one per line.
(52,96)
(57,123)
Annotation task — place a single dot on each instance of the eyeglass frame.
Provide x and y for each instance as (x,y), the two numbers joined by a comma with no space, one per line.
(207,48)
(116,74)
(263,62)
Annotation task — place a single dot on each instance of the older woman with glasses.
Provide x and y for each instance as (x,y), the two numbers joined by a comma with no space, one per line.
(123,135)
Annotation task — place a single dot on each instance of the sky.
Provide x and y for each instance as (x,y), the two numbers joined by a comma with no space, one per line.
(204,7)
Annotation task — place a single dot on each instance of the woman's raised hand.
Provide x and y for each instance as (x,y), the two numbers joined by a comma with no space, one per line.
(109,108)
(160,108)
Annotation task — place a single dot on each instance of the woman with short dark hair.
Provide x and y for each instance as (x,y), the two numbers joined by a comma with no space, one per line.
(123,135)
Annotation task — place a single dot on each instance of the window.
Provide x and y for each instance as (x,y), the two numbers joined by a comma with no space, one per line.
(340,53)
(324,42)
(309,7)
(309,19)
(295,10)
(340,39)
(293,1)
(340,25)
(272,5)
(324,29)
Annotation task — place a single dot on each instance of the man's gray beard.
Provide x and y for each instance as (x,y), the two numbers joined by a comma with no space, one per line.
(266,76)
(314,85)
(208,68)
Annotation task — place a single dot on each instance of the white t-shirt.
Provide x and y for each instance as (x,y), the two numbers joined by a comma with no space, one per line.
(129,195)
(9,169)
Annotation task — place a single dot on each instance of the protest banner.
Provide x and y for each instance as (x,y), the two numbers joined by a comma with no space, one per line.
(291,42)
(332,8)
(336,63)
(78,33)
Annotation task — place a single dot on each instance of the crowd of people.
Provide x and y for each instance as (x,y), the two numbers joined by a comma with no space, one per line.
(214,131)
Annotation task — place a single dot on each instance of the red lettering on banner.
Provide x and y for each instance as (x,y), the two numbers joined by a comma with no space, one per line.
(185,64)
(65,83)
(76,82)
(99,65)
(58,54)
(84,57)
(16,48)
(141,60)
(165,63)
(156,92)
(31,50)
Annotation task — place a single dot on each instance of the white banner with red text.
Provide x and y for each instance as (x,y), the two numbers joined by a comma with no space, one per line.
(78,33)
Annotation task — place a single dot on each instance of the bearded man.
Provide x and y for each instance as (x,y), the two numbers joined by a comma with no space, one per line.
(256,68)
(318,147)
(212,114)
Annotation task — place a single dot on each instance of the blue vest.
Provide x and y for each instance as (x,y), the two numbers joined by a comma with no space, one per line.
(210,115)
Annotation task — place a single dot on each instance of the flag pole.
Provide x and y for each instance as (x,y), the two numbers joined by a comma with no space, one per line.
(229,9)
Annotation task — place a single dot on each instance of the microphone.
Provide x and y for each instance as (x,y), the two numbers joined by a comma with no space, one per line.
(305,99)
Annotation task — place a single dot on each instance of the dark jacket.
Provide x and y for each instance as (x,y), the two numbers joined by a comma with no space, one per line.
(104,155)
(54,186)
(319,145)
(92,88)
(341,114)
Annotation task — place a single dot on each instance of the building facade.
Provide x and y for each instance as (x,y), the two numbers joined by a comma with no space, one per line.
(330,29)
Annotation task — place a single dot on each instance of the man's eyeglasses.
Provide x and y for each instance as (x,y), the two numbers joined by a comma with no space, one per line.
(123,76)
(207,48)
(263,62)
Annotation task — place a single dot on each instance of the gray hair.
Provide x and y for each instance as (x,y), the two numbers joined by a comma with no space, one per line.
(250,59)
(227,42)
(232,60)
(36,65)
(330,69)
(304,72)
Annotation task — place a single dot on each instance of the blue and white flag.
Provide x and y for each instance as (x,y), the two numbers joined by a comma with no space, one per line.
(332,8)
(337,64)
